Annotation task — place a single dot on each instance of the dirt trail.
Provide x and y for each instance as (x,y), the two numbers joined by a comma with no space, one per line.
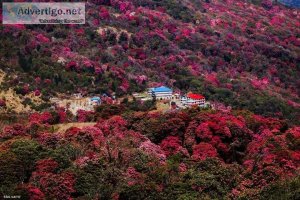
(63,127)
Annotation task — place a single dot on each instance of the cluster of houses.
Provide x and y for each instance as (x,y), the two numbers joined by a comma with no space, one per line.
(93,101)
(162,93)
(77,102)
(186,100)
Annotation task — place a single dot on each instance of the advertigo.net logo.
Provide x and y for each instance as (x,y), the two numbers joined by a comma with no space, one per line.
(43,13)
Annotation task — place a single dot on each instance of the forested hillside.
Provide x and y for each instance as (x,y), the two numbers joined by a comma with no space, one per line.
(127,154)
(243,55)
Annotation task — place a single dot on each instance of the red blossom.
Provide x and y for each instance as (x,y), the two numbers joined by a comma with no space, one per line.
(90,157)
(84,116)
(104,14)
(212,78)
(13,130)
(41,38)
(71,65)
(203,150)
(37,93)
(133,177)
(46,165)
(42,118)
(125,85)
(153,150)
(49,139)
(172,145)
(182,167)
(37,80)
(55,186)
(47,81)
(71,132)
(110,126)
(2,103)
(34,193)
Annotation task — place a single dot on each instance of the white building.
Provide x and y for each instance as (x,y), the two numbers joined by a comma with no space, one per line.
(193,99)
(161,93)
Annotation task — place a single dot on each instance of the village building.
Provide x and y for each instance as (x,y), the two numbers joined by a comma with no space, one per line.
(161,93)
(75,102)
(78,95)
(95,101)
(142,96)
(149,92)
(176,96)
(193,99)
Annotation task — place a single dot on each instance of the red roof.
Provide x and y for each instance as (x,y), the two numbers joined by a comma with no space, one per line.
(195,96)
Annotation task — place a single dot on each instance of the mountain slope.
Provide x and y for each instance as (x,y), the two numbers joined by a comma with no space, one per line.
(242,54)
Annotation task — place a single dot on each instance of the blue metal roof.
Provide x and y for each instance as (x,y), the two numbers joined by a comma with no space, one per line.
(291,3)
(161,89)
(95,99)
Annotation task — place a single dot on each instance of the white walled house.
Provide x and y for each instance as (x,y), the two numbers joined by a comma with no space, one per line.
(193,99)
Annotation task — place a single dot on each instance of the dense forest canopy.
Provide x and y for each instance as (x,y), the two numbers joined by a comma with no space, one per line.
(241,54)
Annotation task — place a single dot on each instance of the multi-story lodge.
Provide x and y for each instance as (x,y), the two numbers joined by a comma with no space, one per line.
(193,99)
(161,93)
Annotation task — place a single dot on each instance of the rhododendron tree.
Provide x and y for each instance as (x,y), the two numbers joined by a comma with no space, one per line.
(133,177)
(34,193)
(203,150)
(262,149)
(42,118)
(49,139)
(87,137)
(212,79)
(172,145)
(62,114)
(114,123)
(72,65)
(275,157)
(87,159)
(152,149)
(293,138)
(13,130)
(42,39)
(46,165)
(59,186)
(228,134)
(104,14)
(84,116)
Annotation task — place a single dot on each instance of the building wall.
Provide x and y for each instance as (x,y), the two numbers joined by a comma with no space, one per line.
(162,95)
(189,102)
